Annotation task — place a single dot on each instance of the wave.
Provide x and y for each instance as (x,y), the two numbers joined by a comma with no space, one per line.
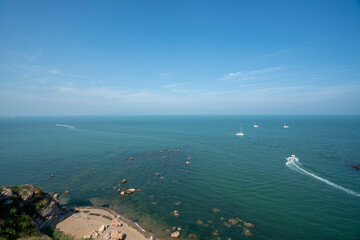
(293,163)
(67,126)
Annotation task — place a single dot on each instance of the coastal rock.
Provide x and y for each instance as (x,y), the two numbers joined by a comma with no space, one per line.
(103,228)
(56,196)
(222,218)
(52,175)
(122,193)
(215,233)
(6,193)
(115,234)
(116,223)
(157,174)
(232,221)
(216,210)
(247,232)
(187,162)
(200,222)
(239,220)
(175,213)
(175,234)
(357,167)
(93,235)
(107,235)
(227,224)
(152,238)
(123,181)
(248,224)
(67,192)
(27,193)
(130,191)
(178,203)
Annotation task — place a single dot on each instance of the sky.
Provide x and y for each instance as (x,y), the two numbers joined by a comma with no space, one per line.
(128,57)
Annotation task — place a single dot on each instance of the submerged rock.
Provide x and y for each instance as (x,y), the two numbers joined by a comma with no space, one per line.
(216,210)
(192,235)
(215,233)
(200,222)
(232,221)
(227,224)
(247,232)
(248,224)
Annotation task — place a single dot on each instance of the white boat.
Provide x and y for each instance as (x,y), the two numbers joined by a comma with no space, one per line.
(285,125)
(240,133)
(255,125)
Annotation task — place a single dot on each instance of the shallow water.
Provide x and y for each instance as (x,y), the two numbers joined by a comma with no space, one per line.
(245,177)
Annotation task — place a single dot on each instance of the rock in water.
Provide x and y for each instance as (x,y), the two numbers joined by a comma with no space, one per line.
(216,210)
(192,235)
(249,224)
(247,232)
(175,234)
(123,181)
(356,167)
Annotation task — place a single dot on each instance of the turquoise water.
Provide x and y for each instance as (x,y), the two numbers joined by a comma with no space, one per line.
(245,177)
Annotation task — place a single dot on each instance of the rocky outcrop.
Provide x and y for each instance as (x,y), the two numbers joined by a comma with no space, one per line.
(357,167)
(43,208)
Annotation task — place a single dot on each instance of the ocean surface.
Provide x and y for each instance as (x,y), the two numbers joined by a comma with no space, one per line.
(245,177)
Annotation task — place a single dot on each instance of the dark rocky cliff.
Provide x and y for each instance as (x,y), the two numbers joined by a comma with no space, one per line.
(27,211)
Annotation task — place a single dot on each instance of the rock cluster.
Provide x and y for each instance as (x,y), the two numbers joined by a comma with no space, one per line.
(106,233)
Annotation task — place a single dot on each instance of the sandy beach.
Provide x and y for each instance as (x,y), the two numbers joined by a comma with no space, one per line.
(101,224)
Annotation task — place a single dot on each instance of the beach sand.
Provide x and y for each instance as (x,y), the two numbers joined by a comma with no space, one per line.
(86,220)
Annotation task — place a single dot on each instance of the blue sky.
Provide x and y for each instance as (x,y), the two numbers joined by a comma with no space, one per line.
(179,57)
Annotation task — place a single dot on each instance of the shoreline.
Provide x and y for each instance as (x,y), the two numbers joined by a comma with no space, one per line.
(130,223)
(87,220)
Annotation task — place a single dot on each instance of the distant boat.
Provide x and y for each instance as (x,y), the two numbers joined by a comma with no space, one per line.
(285,125)
(240,133)
(255,125)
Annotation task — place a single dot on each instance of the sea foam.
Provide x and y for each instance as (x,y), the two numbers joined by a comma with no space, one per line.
(293,163)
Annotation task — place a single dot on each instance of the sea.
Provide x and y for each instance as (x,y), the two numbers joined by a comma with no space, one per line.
(249,180)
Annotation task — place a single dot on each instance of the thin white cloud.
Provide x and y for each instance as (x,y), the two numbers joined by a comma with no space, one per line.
(174,85)
(166,74)
(251,75)
(53,71)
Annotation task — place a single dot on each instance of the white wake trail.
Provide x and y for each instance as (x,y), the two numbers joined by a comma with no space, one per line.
(67,126)
(292,163)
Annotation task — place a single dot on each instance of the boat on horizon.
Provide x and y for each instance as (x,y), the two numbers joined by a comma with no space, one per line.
(285,125)
(255,125)
(240,133)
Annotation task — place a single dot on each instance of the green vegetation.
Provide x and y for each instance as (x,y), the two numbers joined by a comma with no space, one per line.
(107,217)
(13,225)
(57,235)
(95,214)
